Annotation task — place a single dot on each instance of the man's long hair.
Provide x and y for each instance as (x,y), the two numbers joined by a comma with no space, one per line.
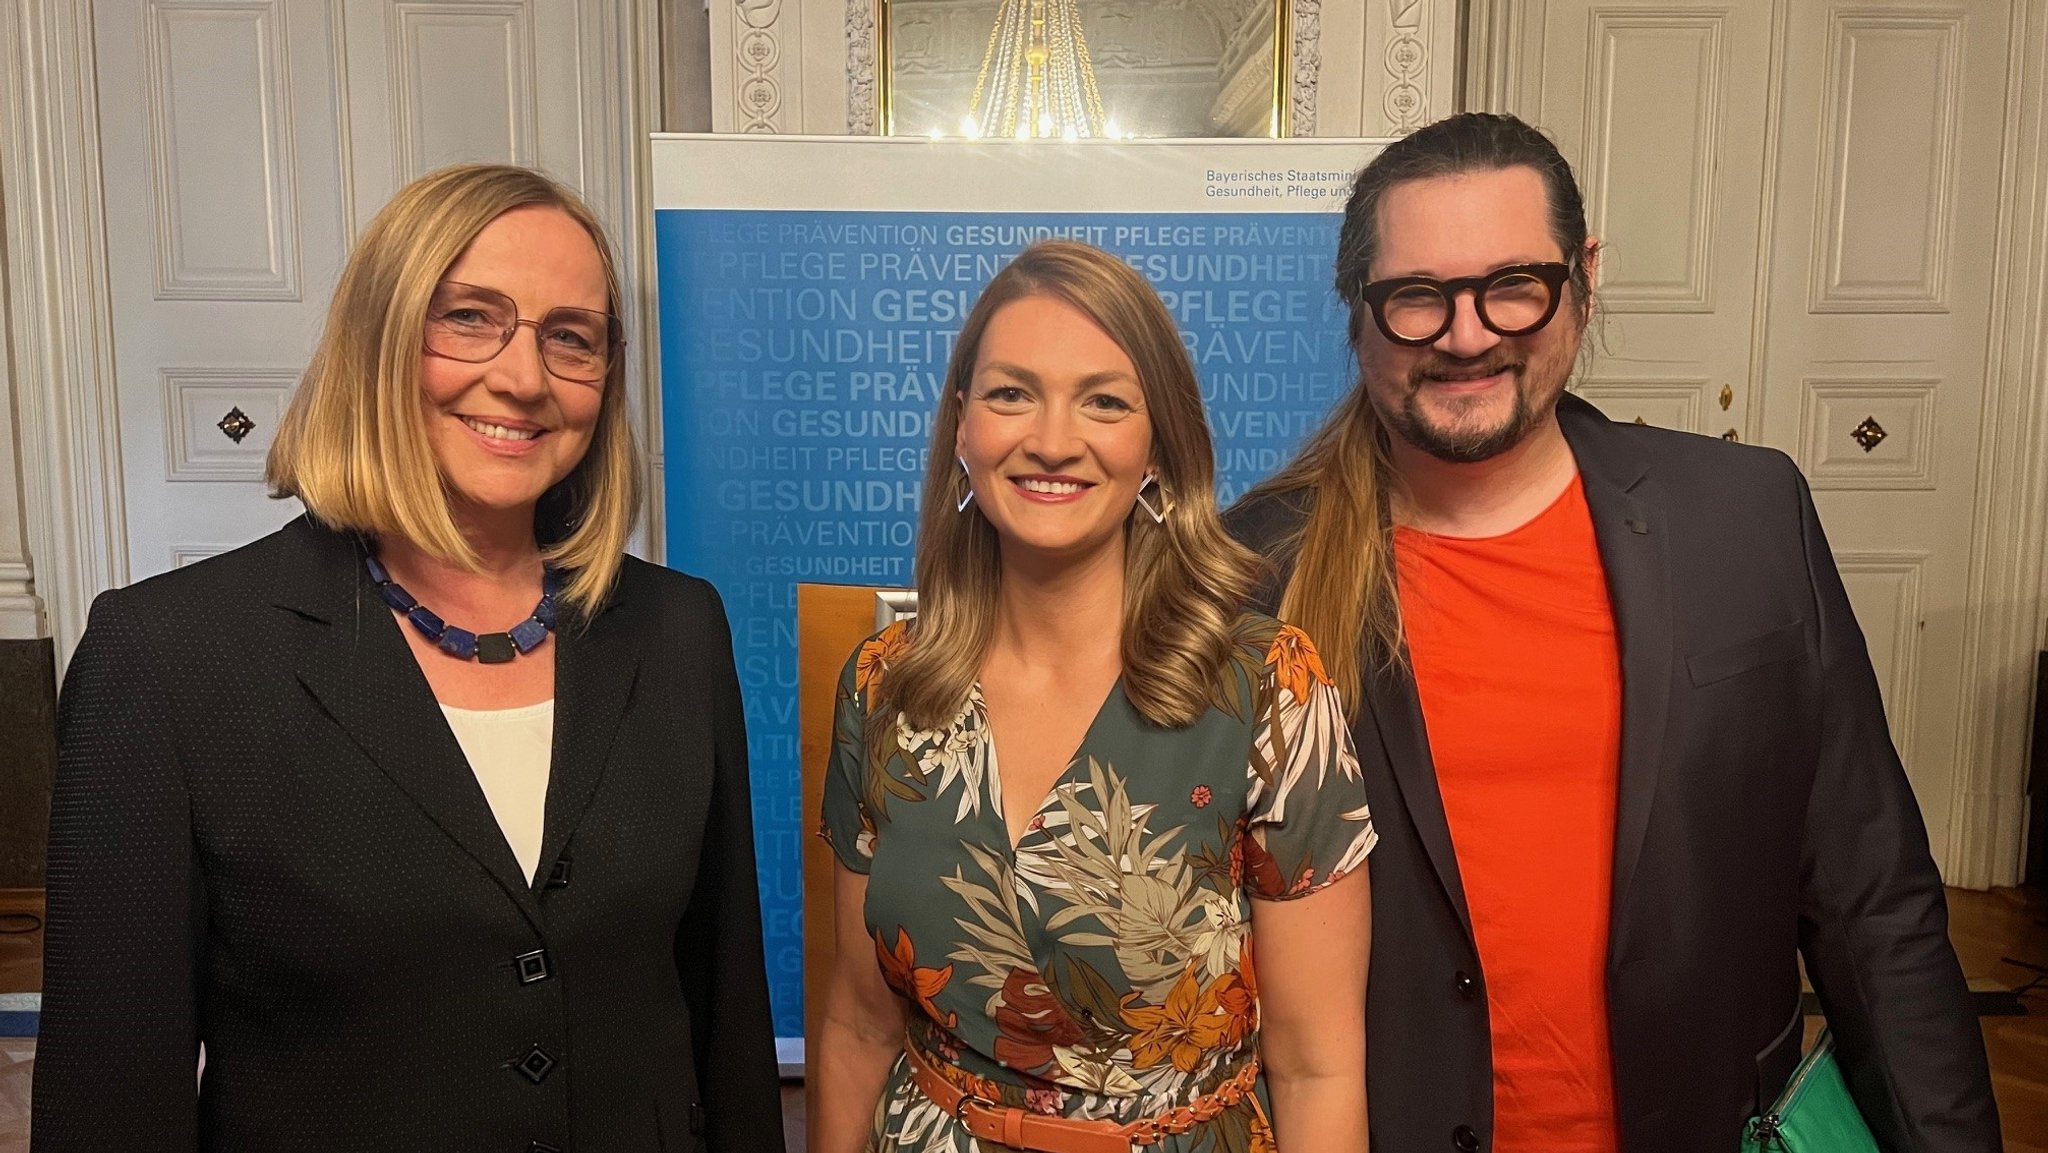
(1343,581)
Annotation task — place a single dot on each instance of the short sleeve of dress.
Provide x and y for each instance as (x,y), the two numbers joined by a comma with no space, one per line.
(849,822)
(1308,823)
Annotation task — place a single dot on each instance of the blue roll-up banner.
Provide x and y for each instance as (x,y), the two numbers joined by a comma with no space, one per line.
(811,290)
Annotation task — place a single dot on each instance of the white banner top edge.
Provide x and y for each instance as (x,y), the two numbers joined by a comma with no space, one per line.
(1134,142)
(912,174)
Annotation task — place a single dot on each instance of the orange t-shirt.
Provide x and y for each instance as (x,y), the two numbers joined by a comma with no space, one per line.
(1515,658)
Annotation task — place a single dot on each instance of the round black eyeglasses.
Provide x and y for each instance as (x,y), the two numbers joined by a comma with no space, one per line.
(1512,301)
(473,324)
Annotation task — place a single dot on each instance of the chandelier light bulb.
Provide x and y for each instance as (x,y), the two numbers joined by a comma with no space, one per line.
(1036,77)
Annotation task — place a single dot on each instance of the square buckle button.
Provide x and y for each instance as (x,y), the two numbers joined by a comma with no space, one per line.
(536,1065)
(532,966)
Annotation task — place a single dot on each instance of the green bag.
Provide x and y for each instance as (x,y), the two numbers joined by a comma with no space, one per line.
(1815,1113)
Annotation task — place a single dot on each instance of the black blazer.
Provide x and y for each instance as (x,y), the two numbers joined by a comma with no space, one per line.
(265,839)
(1763,817)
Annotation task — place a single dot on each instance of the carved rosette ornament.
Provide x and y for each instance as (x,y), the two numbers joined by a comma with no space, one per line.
(759,94)
(862,69)
(1407,60)
(1307,57)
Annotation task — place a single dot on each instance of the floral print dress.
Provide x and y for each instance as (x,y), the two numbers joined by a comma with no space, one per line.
(1102,968)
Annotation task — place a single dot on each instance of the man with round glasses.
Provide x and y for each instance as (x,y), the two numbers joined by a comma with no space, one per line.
(1622,737)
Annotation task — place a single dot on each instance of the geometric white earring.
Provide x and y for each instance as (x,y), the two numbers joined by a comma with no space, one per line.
(969,498)
(1165,505)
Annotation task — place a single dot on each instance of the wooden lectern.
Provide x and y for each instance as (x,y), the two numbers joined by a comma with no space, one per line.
(831,620)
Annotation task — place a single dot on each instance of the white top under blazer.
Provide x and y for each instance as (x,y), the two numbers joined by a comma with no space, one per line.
(509,751)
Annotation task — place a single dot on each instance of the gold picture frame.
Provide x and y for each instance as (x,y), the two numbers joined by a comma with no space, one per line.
(1283,69)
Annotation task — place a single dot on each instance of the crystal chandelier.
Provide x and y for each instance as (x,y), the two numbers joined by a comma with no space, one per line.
(1036,79)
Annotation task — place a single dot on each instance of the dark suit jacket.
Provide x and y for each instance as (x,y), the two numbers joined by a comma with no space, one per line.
(265,839)
(1763,817)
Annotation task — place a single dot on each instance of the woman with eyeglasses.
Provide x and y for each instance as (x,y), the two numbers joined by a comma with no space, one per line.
(1101,832)
(423,822)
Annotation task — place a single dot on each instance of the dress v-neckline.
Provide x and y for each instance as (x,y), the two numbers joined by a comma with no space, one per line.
(998,794)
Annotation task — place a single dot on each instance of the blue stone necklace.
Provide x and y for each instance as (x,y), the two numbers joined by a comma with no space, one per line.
(485,648)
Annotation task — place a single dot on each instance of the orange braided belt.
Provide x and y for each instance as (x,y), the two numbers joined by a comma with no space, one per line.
(990,1120)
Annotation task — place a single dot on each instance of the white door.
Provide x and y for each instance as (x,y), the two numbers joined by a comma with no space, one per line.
(243,144)
(1798,205)
(223,217)
(1657,107)
(1878,324)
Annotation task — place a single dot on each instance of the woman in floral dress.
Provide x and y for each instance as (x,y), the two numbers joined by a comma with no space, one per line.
(1092,819)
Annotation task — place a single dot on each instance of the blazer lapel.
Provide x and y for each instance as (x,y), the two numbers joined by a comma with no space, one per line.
(362,673)
(1632,531)
(1397,714)
(596,668)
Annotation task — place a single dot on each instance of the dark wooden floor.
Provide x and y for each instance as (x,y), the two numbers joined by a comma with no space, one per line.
(21,940)
(21,971)
(1987,928)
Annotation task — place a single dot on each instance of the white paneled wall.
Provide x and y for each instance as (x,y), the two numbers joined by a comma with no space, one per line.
(183,179)
(221,144)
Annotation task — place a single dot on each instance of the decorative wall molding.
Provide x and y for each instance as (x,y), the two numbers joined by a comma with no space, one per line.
(1493,59)
(1404,93)
(344,139)
(1675,402)
(749,78)
(21,612)
(196,402)
(184,554)
(863,63)
(1385,68)
(1900,650)
(1899,457)
(1305,65)
(412,60)
(2007,599)
(60,316)
(1753,390)
(1832,286)
(1631,134)
(229,204)
(622,103)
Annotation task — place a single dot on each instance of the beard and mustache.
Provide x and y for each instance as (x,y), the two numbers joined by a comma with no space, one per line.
(1457,429)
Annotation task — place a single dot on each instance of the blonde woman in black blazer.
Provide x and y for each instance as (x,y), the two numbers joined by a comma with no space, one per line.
(427,816)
